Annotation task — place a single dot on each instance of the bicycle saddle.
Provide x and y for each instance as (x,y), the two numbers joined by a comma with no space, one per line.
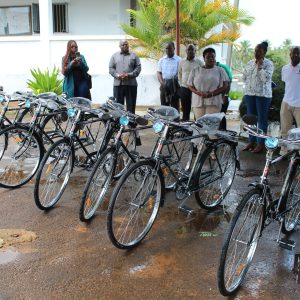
(167,113)
(80,102)
(210,121)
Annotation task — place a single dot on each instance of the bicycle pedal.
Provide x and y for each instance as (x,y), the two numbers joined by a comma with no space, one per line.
(185,209)
(286,244)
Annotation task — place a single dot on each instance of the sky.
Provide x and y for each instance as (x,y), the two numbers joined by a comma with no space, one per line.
(275,21)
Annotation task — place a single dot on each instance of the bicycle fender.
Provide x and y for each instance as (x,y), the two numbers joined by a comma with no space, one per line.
(256,185)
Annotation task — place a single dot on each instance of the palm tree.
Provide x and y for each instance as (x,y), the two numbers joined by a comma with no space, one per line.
(200,22)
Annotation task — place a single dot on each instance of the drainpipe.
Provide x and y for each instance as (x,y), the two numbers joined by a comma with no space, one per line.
(177,29)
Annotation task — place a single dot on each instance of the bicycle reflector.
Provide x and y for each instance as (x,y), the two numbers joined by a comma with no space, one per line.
(271,143)
(71,112)
(158,126)
(124,120)
(27,103)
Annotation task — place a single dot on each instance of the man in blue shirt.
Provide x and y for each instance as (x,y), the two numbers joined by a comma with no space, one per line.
(167,77)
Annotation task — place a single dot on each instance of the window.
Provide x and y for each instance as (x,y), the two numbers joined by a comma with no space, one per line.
(60,17)
(15,20)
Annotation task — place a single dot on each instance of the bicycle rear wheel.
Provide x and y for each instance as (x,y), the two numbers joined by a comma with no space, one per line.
(216,174)
(21,153)
(179,155)
(134,205)
(240,242)
(53,174)
(292,200)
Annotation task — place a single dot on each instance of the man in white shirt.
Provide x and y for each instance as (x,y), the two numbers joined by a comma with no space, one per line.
(290,106)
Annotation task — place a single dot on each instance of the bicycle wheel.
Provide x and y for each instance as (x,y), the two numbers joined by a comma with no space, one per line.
(292,200)
(97,185)
(21,156)
(216,174)
(53,174)
(134,205)
(179,155)
(240,242)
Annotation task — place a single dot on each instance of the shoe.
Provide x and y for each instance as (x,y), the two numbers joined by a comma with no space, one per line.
(259,148)
(249,147)
(138,141)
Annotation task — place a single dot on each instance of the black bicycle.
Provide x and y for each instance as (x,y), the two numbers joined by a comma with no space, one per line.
(22,145)
(135,201)
(258,209)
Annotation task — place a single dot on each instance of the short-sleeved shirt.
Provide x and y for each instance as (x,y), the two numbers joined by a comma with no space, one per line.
(207,80)
(227,70)
(291,76)
(184,69)
(258,82)
(168,66)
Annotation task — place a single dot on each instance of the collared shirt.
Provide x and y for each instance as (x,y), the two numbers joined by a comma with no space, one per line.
(207,80)
(168,66)
(125,63)
(258,82)
(291,76)
(185,68)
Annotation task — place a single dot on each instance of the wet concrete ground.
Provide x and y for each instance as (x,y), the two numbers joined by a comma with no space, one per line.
(55,256)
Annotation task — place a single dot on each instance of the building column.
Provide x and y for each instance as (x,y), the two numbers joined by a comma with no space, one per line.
(46,30)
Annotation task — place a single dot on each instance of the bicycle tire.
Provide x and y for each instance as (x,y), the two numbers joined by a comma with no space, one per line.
(246,222)
(214,186)
(129,221)
(57,161)
(21,157)
(292,194)
(179,155)
(23,113)
(94,192)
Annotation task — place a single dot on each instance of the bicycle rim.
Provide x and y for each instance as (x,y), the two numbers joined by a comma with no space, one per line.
(134,205)
(53,175)
(20,158)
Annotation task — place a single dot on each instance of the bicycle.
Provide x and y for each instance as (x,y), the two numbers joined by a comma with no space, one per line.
(111,164)
(138,195)
(22,145)
(258,209)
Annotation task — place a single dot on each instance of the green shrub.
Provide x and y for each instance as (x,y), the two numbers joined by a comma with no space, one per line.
(235,95)
(45,81)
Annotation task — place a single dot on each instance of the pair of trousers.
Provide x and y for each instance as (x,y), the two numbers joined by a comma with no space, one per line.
(169,100)
(81,89)
(201,111)
(223,124)
(287,114)
(128,92)
(258,106)
(186,102)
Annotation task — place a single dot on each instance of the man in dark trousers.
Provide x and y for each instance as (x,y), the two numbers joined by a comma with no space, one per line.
(125,66)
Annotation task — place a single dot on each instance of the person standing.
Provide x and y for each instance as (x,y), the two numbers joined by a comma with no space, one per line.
(290,106)
(184,69)
(125,67)
(258,93)
(74,68)
(207,84)
(168,78)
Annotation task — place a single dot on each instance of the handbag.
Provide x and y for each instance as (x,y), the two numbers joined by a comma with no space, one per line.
(89,81)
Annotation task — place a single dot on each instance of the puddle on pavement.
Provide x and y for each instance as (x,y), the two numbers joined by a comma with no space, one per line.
(8,256)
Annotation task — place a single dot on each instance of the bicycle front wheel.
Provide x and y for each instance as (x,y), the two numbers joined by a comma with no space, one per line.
(216,174)
(292,202)
(240,242)
(53,174)
(21,153)
(97,185)
(134,205)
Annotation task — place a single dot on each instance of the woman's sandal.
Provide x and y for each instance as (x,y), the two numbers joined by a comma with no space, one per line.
(249,147)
